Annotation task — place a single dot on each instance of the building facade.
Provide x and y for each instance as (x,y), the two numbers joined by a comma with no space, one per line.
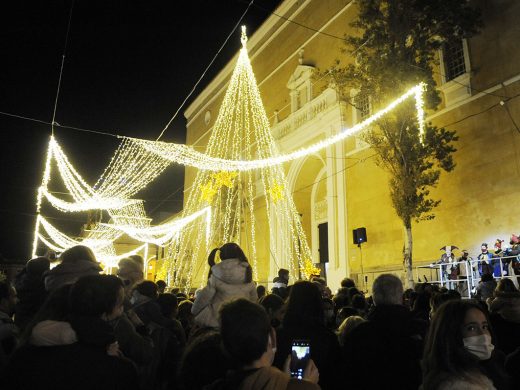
(342,188)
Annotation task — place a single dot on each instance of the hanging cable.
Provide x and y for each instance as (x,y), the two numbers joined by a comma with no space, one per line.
(61,68)
(205,70)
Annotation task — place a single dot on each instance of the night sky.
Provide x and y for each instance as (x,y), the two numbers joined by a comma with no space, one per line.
(128,67)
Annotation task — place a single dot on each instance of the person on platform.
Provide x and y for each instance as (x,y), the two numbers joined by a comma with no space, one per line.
(449,267)
(467,272)
(485,259)
(231,278)
(514,253)
(500,264)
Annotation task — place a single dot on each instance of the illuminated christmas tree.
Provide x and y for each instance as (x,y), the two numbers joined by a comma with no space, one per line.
(241,132)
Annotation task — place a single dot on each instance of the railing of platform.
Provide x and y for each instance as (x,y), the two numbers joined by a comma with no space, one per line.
(469,274)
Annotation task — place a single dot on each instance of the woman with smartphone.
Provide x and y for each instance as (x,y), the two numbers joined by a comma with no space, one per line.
(303,334)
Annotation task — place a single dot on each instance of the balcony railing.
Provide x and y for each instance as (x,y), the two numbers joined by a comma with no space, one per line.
(305,114)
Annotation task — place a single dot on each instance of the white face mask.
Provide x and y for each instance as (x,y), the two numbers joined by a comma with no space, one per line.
(480,346)
(273,349)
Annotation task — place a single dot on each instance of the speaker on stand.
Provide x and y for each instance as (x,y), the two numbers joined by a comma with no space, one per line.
(360,236)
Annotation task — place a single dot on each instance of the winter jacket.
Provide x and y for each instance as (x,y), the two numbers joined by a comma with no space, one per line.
(48,333)
(507,305)
(63,367)
(485,289)
(264,378)
(68,273)
(324,348)
(8,338)
(505,320)
(385,350)
(137,347)
(31,293)
(227,281)
(84,364)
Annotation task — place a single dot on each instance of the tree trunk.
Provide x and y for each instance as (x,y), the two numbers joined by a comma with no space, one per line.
(407,254)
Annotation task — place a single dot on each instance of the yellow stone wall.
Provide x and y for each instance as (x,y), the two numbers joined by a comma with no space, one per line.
(478,197)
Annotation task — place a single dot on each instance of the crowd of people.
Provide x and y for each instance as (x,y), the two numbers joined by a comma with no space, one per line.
(73,327)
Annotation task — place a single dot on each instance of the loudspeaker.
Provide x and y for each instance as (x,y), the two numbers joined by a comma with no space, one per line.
(360,235)
(323,234)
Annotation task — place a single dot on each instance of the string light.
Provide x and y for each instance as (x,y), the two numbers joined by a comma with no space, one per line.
(241,123)
(309,269)
(127,215)
(225,181)
(160,234)
(185,155)
(276,192)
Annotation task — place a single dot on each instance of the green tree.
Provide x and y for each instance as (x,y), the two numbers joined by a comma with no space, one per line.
(394,49)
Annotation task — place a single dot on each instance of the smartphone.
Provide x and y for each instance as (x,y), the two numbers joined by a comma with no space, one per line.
(300,355)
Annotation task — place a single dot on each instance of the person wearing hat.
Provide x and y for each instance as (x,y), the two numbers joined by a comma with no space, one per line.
(450,270)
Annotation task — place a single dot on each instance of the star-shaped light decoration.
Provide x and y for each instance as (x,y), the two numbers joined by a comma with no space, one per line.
(224,178)
(276,192)
(309,269)
(208,191)
(161,273)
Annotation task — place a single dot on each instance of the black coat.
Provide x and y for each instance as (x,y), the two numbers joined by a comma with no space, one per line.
(385,351)
(324,347)
(31,293)
(75,366)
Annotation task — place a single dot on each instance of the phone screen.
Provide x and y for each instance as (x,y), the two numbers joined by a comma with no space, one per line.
(300,354)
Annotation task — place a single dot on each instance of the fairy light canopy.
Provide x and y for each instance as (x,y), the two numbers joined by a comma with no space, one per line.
(127,216)
(240,162)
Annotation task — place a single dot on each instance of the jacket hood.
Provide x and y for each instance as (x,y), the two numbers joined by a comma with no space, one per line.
(48,333)
(231,271)
(508,307)
(65,273)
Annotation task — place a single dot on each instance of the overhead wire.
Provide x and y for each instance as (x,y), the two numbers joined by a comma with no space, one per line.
(61,67)
(205,70)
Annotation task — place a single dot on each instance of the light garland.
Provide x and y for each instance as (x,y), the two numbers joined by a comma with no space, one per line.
(160,234)
(185,155)
(128,215)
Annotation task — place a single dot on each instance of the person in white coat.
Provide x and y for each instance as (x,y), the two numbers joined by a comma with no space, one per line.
(229,279)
